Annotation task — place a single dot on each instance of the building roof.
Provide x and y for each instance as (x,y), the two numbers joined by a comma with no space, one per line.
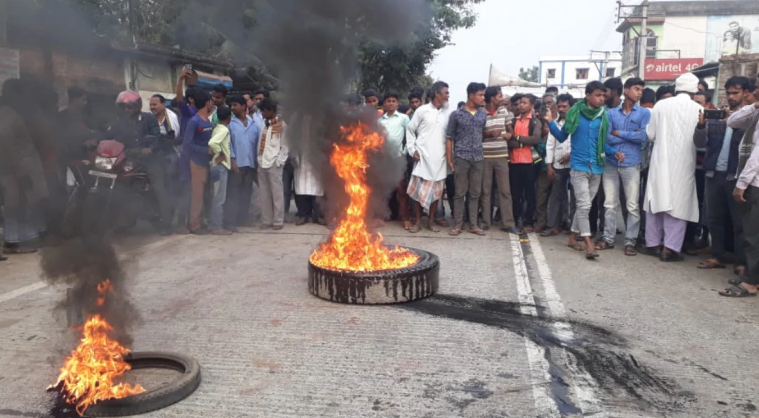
(657,10)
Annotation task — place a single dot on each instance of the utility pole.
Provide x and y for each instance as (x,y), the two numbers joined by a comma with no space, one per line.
(643,39)
(3,23)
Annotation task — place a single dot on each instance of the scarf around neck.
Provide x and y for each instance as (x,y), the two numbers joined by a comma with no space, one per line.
(573,122)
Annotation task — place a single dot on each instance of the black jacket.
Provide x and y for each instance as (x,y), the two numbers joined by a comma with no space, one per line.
(715,132)
(132,133)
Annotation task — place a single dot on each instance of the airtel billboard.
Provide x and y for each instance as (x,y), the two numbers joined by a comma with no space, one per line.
(670,69)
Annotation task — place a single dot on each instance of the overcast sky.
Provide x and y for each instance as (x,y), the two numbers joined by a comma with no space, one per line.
(512,34)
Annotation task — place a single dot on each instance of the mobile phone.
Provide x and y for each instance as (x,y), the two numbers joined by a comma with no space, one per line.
(715,114)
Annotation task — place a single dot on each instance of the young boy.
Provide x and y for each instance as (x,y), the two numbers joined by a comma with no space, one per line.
(272,155)
(219,147)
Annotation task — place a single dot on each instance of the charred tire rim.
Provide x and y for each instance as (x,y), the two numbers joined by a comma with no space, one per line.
(154,399)
(379,287)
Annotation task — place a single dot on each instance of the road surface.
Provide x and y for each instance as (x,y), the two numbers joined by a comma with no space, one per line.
(521,328)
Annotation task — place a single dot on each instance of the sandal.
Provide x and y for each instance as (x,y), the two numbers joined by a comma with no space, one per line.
(591,256)
(442,222)
(603,245)
(3,258)
(415,228)
(528,229)
(737,291)
(455,232)
(578,247)
(711,263)
(550,232)
(407,225)
(434,228)
(476,231)
(630,251)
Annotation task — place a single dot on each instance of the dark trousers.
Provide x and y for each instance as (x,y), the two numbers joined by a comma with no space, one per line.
(468,176)
(750,219)
(641,200)
(308,207)
(156,169)
(696,234)
(522,178)
(239,192)
(288,175)
(722,214)
(450,190)
(543,191)
(558,205)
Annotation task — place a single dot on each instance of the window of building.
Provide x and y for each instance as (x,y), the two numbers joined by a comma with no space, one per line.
(582,73)
(551,73)
(611,72)
(652,43)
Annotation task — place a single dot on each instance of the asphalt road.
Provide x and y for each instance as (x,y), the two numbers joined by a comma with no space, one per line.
(521,328)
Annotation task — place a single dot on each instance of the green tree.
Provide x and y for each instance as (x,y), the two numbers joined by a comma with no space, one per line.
(529,74)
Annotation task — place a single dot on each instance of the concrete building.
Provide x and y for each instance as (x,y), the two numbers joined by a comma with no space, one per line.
(573,72)
(683,35)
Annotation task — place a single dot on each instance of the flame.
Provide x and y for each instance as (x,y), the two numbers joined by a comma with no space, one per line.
(351,247)
(88,375)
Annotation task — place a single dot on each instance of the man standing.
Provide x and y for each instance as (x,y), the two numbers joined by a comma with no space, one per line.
(221,162)
(394,123)
(414,102)
(557,161)
(258,97)
(628,135)
(272,155)
(426,143)
(195,142)
(528,132)
(495,149)
(463,150)
(587,122)
(308,182)
(218,97)
(245,135)
(671,200)
(746,194)
(721,166)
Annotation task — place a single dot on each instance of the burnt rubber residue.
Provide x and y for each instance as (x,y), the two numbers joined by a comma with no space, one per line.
(603,354)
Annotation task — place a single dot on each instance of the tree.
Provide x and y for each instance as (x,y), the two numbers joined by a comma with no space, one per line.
(529,74)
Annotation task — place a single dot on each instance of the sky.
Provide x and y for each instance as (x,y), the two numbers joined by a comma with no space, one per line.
(554,27)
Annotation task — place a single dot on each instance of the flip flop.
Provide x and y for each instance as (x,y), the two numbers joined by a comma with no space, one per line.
(455,232)
(711,264)
(414,228)
(476,231)
(737,291)
(434,228)
(591,256)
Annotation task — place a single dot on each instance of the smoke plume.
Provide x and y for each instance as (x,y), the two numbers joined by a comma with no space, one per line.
(313,47)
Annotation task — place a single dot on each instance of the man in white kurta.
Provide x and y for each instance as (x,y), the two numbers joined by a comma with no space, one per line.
(308,183)
(671,201)
(425,142)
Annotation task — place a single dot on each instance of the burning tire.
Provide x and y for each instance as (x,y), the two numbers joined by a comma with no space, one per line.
(379,287)
(158,398)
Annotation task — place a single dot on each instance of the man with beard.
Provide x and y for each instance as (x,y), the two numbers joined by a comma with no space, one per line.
(746,194)
(22,182)
(628,124)
(671,200)
(464,156)
(426,143)
(721,166)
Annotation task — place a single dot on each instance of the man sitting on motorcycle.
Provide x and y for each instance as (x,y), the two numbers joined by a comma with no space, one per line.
(141,135)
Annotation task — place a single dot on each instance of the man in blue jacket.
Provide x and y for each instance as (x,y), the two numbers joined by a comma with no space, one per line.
(628,135)
(587,122)
(721,166)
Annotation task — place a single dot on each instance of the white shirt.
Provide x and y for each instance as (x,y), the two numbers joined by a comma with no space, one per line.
(275,148)
(741,120)
(556,150)
(425,134)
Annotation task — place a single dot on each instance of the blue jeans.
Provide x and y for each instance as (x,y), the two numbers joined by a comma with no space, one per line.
(218,177)
(630,182)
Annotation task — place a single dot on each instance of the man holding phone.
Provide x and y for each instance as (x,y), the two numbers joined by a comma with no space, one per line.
(720,166)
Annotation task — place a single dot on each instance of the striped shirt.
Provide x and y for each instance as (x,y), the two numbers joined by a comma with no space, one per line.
(497,146)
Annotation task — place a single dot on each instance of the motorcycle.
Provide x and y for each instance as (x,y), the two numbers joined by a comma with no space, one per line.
(115,190)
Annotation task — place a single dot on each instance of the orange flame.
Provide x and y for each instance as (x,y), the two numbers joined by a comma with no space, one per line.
(351,247)
(88,374)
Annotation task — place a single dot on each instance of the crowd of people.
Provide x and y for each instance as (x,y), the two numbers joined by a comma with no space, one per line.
(672,166)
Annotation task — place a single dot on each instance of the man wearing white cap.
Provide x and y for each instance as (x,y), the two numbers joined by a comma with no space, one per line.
(671,201)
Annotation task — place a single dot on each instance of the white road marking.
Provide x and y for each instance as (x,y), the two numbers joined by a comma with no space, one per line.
(22,291)
(544,404)
(586,388)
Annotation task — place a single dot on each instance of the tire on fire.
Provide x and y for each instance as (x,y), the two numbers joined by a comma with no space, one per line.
(182,387)
(377,287)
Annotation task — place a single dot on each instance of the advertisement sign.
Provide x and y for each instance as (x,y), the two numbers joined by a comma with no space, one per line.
(670,69)
(9,64)
(730,35)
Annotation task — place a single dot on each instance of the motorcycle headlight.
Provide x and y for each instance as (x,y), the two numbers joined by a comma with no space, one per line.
(103,163)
